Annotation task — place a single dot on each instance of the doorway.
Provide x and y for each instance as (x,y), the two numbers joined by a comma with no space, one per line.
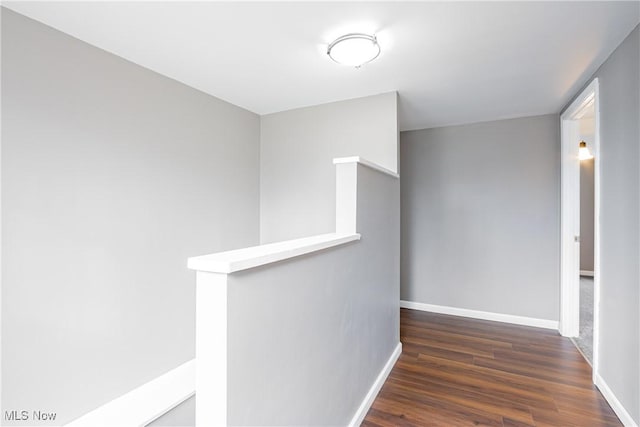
(586,129)
(580,123)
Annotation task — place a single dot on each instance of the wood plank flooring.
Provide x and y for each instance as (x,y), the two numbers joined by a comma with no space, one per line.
(455,371)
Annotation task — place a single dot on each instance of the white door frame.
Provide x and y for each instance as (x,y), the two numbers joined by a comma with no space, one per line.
(570,217)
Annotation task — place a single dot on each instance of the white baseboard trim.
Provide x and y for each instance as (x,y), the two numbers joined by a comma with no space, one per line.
(358,417)
(144,404)
(615,404)
(586,273)
(484,315)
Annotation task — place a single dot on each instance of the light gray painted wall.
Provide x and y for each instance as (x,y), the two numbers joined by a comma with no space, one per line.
(480,216)
(587,184)
(619,79)
(308,336)
(112,176)
(586,214)
(297,177)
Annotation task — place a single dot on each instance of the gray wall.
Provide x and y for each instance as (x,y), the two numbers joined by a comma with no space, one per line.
(322,325)
(297,177)
(619,79)
(586,214)
(587,192)
(112,176)
(480,216)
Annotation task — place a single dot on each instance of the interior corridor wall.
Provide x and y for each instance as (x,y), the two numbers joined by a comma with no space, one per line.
(619,81)
(481,216)
(587,189)
(112,176)
(587,227)
(297,147)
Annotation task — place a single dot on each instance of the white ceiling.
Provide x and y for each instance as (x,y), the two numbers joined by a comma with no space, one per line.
(450,62)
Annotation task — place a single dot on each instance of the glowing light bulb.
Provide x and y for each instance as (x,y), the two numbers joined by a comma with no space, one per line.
(583,152)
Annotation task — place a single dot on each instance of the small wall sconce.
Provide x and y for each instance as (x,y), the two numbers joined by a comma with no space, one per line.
(583,152)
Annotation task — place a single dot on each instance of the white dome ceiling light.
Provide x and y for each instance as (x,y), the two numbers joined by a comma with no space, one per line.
(354,49)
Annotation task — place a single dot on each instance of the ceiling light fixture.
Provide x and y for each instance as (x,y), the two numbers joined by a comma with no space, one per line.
(583,152)
(355,49)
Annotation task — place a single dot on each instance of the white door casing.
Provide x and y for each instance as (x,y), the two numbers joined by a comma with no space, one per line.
(570,217)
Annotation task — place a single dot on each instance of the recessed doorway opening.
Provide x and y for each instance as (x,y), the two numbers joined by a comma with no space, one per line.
(580,231)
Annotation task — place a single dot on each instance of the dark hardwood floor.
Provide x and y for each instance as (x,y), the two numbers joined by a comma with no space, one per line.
(455,371)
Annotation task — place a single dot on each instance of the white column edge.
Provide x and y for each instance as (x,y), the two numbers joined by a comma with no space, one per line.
(365,162)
